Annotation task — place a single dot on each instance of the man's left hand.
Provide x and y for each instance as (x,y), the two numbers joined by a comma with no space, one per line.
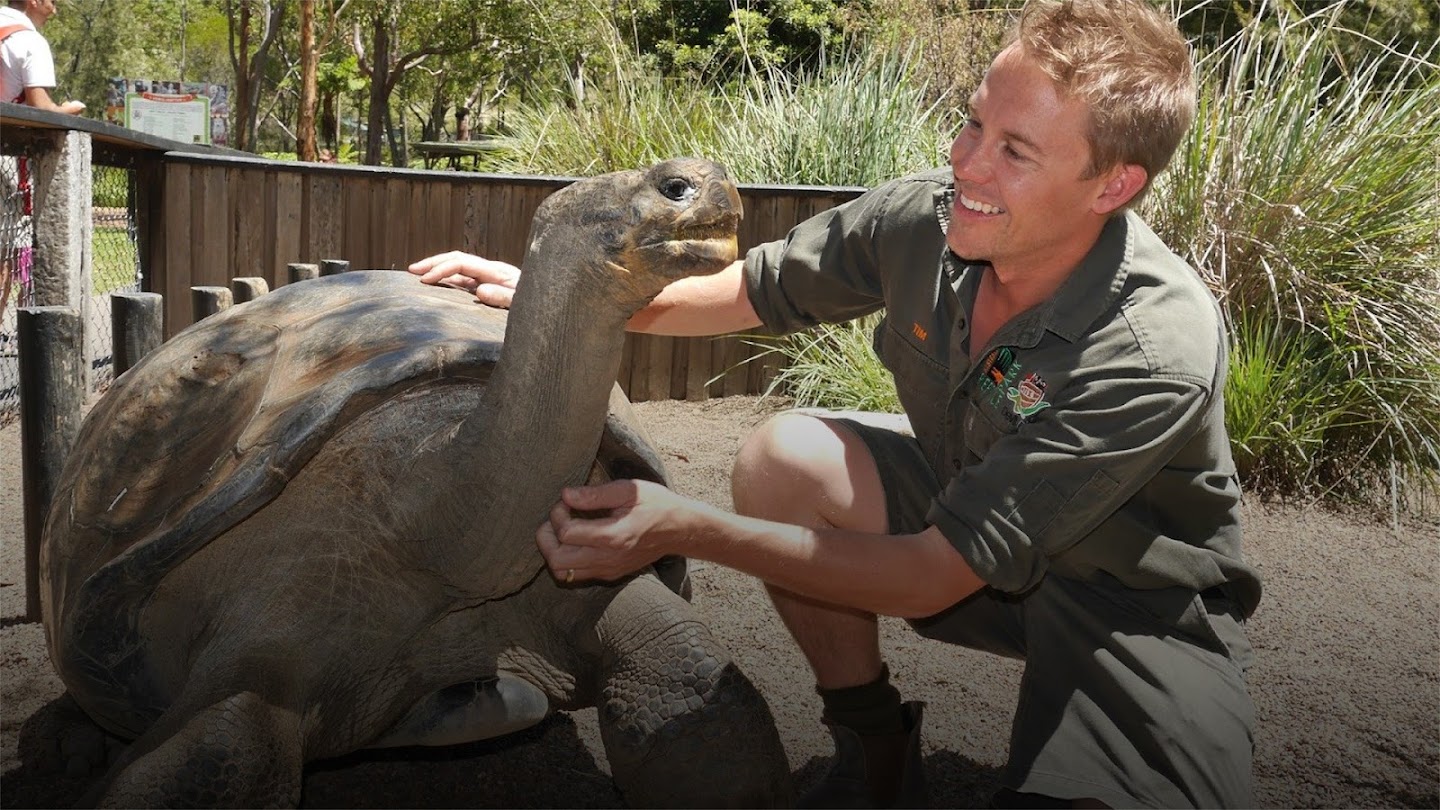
(609,531)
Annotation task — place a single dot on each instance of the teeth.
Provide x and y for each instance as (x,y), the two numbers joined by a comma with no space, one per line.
(976,205)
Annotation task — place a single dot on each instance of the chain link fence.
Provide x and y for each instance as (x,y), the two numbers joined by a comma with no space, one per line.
(115,266)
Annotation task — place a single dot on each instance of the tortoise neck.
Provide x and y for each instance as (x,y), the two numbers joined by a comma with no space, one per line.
(539,423)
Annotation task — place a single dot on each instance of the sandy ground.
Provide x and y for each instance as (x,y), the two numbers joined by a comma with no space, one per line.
(1347,683)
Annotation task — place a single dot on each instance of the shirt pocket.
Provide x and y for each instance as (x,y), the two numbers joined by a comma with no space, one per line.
(921,381)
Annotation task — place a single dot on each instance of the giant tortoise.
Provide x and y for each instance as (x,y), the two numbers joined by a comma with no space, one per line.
(305,526)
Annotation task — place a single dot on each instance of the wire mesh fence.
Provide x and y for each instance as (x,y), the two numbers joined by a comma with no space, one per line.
(17,255)
(115,266)
(114,263)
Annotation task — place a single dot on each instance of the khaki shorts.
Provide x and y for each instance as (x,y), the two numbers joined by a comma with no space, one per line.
(1130,697)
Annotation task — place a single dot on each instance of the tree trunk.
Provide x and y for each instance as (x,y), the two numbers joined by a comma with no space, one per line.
(309,59)
(250,68)
(330,121)
(240,60)
(462,123)
(379,111)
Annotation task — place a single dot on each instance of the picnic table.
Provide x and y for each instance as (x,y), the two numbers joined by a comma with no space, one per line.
(454,151)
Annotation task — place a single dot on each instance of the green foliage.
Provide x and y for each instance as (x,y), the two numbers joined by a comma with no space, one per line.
(714,40)
(833,366)
(857,121)
(1306,195)
(851,122)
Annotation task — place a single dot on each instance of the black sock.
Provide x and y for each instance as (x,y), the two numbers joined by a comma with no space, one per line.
(870,708)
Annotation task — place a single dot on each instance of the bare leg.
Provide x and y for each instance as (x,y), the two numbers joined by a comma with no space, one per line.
(809,471)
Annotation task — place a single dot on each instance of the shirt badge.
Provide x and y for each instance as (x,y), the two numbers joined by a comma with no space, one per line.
(1029,396)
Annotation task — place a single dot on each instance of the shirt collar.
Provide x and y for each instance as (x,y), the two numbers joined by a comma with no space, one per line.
(14,16)
(1090,290)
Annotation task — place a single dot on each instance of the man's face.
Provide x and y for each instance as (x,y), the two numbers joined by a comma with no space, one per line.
(41,11)
(1022,197)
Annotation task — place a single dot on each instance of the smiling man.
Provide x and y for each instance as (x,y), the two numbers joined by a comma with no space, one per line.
(1068,496)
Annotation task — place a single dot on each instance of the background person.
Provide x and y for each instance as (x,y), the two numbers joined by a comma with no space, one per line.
(1068,496)
(27,68)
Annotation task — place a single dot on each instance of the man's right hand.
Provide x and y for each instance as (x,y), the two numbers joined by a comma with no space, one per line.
(492,282)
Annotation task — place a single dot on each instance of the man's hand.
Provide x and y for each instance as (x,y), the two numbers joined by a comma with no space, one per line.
(609,531)
(492,282)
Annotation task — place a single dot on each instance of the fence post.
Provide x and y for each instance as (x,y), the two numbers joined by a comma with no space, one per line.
(52,393)
(302,271)
(63,230)
(333,267)
(206,301)
(248,288)
(137,327)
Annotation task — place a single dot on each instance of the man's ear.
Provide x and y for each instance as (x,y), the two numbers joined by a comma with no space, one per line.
(1125,181)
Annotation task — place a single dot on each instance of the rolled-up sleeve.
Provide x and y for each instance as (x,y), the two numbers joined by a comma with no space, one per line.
(828,268)
(1044,489)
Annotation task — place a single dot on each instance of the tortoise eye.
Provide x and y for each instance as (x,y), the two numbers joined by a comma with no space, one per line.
(678,189)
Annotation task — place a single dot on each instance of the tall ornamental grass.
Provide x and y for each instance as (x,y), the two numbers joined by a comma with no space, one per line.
(1308,195)
(856,121)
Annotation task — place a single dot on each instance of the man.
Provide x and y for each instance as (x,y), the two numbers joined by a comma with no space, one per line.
(1068,497)
(27,69)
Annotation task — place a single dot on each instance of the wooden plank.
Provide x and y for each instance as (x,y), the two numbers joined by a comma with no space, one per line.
(178,247)
(324,219)
(497,207)
(289,221)
(697,368)
(269,229)
(211,229)
(627,361)
(389,229)
(355,244)
(435,234)
(657,367)
(476,215)
(679,362)
(462,212)
(640,368)
(249,223)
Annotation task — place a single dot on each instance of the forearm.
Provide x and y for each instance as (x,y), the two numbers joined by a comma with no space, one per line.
(700,305)
(910,576)
(39,98)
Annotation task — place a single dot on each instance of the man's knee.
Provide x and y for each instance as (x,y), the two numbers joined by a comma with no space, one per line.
(810,471)
(784,462)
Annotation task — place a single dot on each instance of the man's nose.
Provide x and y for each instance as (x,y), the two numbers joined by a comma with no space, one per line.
(967,161)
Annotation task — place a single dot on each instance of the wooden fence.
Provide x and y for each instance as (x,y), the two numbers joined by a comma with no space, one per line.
(216,218)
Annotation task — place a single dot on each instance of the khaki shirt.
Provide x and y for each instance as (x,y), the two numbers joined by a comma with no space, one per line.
(1089,439)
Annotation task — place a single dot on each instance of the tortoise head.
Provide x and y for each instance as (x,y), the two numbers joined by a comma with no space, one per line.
(636,231)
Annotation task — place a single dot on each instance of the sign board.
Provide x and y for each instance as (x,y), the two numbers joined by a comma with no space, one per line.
(191,112)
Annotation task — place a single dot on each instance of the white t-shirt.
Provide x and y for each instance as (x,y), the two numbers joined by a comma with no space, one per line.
(25,59)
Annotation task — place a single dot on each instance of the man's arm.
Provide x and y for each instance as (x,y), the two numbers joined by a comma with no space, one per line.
(699,305)
(39,98)
(911,576)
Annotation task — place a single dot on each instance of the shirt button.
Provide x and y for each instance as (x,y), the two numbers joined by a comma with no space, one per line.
(955,462)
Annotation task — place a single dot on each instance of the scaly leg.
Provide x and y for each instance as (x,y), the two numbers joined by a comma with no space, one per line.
(239,752)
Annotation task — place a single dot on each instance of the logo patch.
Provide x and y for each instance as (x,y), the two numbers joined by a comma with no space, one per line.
(1029,396)
(1007,390)
(918,330)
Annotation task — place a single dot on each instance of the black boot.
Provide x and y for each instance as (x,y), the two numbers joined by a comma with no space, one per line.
(874,770)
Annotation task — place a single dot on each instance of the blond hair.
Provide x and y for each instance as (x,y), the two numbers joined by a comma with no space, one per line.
(1131,67)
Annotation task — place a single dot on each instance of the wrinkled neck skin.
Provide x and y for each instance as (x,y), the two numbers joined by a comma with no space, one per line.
(539,423)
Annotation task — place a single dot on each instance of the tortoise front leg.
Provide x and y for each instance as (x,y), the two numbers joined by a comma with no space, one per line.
(239,752)
(682,726)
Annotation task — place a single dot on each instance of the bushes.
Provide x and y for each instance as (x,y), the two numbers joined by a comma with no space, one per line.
(1308,195)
